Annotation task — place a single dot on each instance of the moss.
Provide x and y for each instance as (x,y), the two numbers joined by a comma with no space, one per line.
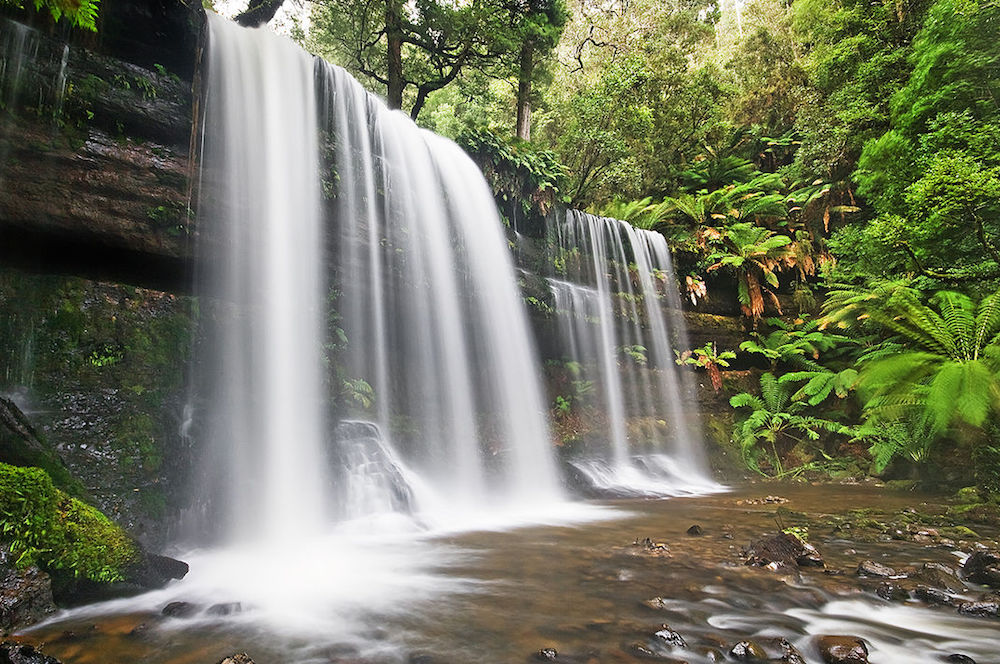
(64,536)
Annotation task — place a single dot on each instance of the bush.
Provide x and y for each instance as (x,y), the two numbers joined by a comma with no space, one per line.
(64,536)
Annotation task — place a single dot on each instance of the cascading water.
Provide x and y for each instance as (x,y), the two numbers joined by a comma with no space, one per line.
(262,219)
(431,307)
(421,278)
(619,320)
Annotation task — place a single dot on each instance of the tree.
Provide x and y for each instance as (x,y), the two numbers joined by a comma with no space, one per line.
(755,255)
(539,26)
(415,49)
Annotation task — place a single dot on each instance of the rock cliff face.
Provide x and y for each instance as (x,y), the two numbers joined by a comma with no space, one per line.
(95,160)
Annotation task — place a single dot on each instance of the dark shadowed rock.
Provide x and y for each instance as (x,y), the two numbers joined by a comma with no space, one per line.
(546,654)
(983,567)
(842,649)
(874,569)
(782,550)
(939,576)
(19,653)
(958,658)
(25,595)
(892,592)
(932,595)
(695,531)
(180,609)
(748,651)
(983,609)
(156,571)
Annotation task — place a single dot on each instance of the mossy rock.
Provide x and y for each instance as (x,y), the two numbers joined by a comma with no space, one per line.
(46,527)
(985,513)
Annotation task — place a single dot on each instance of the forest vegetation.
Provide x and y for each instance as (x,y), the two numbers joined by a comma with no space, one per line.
(840,162)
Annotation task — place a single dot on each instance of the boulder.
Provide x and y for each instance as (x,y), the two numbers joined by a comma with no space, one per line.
(748,651)
(669,637)
(932,595)
(695,531)
(983,567)
(958,658)
(941,576)
(25,595)
(835,649)
(892,592)
(180,609)
(983,609)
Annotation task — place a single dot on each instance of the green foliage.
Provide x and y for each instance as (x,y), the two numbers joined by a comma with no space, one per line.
(939,370)
(78,13)
(776,422)
(520,173)
(755,255)
(64,536)
(709,358)
(796,346)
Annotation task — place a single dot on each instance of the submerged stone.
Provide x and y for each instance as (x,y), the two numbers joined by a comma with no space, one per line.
(748,651)
(19,653)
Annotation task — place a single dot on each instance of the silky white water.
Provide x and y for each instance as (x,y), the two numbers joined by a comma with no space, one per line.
(619,320)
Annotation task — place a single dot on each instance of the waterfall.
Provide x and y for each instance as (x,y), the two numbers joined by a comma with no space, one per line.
(619,320)
(319,204)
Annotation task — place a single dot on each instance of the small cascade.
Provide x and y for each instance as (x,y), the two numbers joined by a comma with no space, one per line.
(370,477)
(620,320)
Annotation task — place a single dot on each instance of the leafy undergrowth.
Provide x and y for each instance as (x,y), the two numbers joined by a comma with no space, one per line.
(44,526)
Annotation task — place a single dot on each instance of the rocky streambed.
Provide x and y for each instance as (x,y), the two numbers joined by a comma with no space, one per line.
(881,577)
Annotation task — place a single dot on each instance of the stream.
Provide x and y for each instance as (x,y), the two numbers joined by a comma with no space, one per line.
(581,585)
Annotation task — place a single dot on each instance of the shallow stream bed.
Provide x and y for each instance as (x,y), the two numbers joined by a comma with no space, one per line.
(591,590)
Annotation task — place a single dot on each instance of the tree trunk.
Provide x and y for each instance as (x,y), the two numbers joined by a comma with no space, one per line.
(526,66)
(394,38)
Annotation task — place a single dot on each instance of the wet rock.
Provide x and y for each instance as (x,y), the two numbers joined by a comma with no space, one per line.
(892,592)
(712,654)
(695,531)
(656,603)
(872,568)
(748,651)
(781,650)
(25,595)
(981,609)
(939,576)
(958,658)
(19,653)
(669,637)
(781,550)
(546,654)
(237,658)
(932,595)
(155,571)
(139,629)
(842,649)
(180,609)
(983,567)
(224,609)
(424,658)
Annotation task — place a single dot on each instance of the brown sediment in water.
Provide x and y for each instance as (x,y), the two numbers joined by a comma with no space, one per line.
(599,591)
